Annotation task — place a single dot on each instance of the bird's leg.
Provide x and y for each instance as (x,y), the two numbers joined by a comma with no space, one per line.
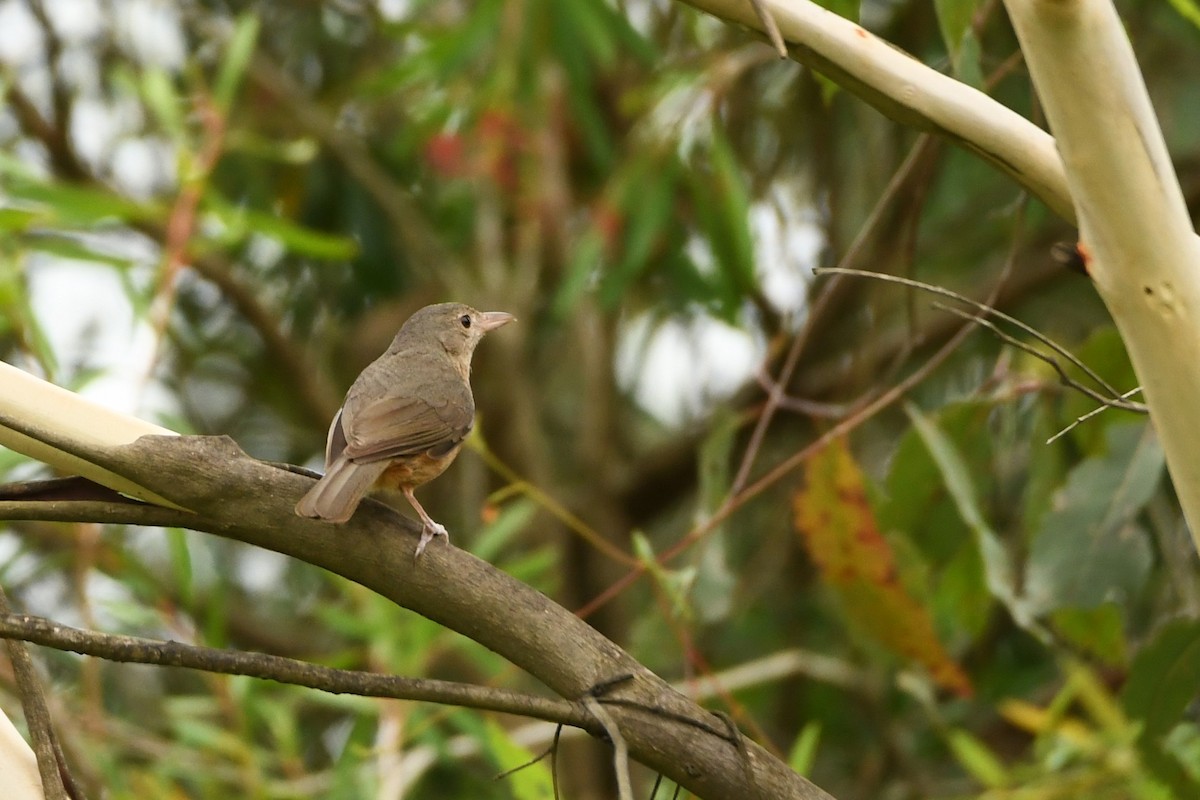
(429,528)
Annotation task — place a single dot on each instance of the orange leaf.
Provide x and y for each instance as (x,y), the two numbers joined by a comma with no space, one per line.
(838,528)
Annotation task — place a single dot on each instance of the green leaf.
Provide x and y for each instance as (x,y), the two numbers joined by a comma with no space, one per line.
(159,93)
(977,759)
(19,220)
(674,583)
(532,781)
(804,749)
(712,593)
(716,451)
(582,269)
(968,64)
(843,8)
(1099,632)
(1163,683)
(722,204)
(1165,677)
(71,205)
(181,565)
(512,520)
(1104,352)
(649,197)
(997,564)
(954,22)
(714,583)
(78,249)
(237,57)
(1188,9)
(1089,550)
(240,223)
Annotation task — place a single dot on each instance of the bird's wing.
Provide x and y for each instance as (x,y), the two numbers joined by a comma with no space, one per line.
(394,427)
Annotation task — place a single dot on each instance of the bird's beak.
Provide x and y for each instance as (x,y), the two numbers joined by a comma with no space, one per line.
(490,320)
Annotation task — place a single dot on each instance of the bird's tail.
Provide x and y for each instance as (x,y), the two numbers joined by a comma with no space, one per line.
(336,495)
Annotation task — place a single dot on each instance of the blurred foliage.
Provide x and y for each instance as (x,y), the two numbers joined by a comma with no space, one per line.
(216,213)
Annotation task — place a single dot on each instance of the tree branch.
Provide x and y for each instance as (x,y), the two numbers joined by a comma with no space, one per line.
(138,650)
(1136,236)
(911,93)
(246,500)
(37,716)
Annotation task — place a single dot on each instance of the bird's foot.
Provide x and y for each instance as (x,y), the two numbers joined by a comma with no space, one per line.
(429,530)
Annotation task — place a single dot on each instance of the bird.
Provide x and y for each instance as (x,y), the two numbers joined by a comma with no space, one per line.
(405,417)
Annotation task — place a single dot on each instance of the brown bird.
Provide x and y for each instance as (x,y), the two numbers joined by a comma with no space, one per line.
(405,417)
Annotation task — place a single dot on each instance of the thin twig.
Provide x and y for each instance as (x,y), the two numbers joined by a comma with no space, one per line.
(800,405)
(770,26)
(181,222)
(564,515)
(133,649)
(1090,414)
(37,717)
(620,748)
(1064,378)
(776,396)
(985,308)
(549,751)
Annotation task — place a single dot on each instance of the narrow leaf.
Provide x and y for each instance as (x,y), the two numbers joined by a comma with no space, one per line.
(804,750)
(237,58)
(997,565)
(977,759)
(1165,677)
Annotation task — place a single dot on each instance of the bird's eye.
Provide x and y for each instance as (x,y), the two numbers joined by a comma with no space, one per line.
(465,319)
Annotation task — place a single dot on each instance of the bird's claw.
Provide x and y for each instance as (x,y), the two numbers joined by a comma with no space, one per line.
(428,531)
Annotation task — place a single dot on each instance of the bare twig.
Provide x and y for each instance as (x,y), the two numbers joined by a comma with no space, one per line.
(620,748)
(518,484)
(801,405)
(988,310)
(37,716)
(770,27)
(133,649)
(1066,380)
(916,155)
(1085,417)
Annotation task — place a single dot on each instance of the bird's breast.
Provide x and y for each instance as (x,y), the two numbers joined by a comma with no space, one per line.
(412,471)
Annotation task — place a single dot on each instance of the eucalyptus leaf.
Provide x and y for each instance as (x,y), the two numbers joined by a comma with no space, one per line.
(1089,548)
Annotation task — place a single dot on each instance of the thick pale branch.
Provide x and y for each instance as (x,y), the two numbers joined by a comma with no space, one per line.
(1135,232)
(31,408)
(911,93)
(19,779)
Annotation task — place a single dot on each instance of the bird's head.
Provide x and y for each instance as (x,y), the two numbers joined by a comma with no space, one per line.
(455,326)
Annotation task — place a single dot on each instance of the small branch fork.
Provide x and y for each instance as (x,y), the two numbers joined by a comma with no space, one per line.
(1108,398)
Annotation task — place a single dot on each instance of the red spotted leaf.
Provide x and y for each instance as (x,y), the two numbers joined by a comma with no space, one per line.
(838,527)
